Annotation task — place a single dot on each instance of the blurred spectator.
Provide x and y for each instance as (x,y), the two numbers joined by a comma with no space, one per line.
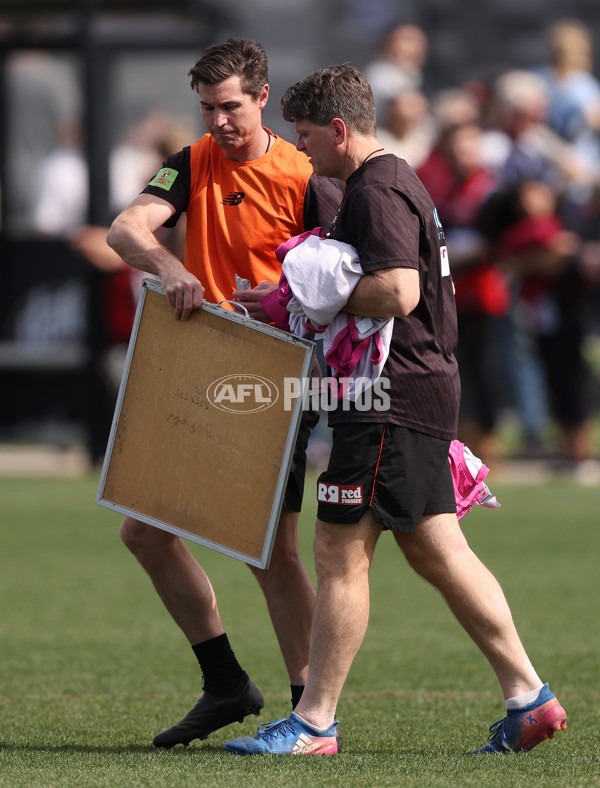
(450,108)
(515,144)
(43,96)
(573,91)
(134,161)
(482,291)
(61,185)
(520,143)
(574,114)
(408,129)
(397,65)
(135,158)
(60,211)
(455,106)
(542,253)
(528,237)
(61,201)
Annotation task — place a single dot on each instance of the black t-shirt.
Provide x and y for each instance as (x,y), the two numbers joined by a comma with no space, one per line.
(388,216)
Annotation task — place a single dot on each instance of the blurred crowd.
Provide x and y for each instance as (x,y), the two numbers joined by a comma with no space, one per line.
(513,168)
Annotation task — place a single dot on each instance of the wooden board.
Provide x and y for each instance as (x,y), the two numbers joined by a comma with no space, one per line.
(205,426)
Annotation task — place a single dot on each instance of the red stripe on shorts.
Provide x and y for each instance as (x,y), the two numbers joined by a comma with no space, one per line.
(377,466)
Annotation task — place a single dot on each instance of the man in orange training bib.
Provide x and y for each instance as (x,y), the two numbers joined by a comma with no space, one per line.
(244,191)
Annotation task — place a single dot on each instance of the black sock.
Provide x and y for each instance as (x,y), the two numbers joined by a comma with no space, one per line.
(297,690)
(221,671)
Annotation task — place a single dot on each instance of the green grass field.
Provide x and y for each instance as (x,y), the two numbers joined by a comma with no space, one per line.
(92,667)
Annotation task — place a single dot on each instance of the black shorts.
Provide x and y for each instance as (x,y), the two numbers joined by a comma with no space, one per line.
(399,473)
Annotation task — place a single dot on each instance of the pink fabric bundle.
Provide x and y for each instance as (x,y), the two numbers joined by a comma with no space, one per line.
(468,473)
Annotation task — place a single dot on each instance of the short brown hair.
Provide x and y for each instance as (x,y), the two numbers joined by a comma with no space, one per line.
(332,92)
(235,58)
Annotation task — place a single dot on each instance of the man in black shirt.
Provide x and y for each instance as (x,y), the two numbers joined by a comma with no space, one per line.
(389,469)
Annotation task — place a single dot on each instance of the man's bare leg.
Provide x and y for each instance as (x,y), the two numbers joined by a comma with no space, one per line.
(180,581)
(343,556)
(438,551)
(290,597)
(187,593)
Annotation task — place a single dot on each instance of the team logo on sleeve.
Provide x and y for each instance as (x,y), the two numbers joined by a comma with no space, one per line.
(164,179)
(345,494)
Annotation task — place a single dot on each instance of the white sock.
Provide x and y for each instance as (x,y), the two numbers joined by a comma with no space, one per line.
(310,725)
(523,700)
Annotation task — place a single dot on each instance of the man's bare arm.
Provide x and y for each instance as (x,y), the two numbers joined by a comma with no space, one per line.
(392,292)
(132,236)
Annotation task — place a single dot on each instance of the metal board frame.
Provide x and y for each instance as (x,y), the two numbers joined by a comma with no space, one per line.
(214,471)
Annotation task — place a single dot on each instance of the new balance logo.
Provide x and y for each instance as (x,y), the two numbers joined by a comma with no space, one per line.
(340,493)
(233,198)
